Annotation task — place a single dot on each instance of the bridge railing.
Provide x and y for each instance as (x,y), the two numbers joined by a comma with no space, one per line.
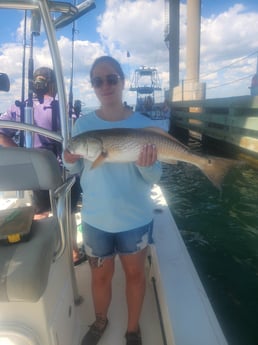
(233,120)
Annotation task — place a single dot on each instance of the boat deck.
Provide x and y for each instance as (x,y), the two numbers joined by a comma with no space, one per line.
(183,314)
(149,323)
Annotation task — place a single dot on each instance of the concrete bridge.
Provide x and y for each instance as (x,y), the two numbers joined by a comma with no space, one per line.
(231,120)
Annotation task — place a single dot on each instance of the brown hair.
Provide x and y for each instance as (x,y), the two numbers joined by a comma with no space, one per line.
(110,60)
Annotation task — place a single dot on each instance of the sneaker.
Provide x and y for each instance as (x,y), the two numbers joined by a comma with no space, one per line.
(133,338)
(94,334)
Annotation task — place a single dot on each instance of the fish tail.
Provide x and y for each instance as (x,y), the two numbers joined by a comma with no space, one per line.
(216,169)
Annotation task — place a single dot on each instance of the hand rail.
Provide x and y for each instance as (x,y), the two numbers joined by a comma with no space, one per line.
(55,6)
(32,128)
(50,31)
(60,194)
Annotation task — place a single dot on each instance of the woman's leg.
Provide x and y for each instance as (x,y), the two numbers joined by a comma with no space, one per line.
(134,268)
(101,285)
(99,249)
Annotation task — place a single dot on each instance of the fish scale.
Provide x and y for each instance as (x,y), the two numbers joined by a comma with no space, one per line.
(123,145)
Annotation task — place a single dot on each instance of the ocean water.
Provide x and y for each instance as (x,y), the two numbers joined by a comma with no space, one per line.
(220,231)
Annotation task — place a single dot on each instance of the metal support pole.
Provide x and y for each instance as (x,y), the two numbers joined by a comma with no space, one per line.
(50,30)
(174,16)
(193,40)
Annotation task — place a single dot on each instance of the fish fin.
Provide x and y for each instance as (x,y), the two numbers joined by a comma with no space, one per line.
(216,169)
(99,160)
(165,134)
(157,130)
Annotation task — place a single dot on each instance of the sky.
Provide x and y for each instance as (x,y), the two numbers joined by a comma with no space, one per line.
(228,52)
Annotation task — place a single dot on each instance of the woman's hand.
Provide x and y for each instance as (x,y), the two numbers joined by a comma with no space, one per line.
(148,155)
(70,157)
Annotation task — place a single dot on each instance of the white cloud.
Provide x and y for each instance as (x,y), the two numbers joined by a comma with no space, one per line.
(138,27)
(226,42)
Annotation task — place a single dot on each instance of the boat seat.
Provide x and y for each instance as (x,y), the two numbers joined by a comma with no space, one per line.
(25,266)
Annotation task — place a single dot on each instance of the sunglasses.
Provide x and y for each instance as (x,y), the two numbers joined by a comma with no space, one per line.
(110,79)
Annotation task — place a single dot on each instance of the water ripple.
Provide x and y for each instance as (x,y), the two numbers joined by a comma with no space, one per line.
(221,233)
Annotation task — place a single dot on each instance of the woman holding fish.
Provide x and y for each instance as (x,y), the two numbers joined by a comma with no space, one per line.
(117,209)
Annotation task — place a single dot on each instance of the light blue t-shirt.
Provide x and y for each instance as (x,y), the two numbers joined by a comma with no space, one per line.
(116,196)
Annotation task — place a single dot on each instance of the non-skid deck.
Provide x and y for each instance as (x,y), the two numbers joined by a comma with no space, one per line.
(114,334)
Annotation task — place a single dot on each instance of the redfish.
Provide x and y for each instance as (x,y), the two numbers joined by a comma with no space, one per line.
(123,145)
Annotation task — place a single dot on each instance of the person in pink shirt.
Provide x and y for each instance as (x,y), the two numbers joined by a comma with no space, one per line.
(44,87)
(45,115)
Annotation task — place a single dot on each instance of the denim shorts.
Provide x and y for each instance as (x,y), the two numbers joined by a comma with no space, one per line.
(102,244)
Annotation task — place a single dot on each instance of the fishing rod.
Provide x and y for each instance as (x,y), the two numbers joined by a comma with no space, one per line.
(70,112)
(21,104)
(28,110)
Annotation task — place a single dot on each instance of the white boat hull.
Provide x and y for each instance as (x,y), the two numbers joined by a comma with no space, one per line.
(183,315)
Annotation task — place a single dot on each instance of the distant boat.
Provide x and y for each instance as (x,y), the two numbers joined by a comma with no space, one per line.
(146,84)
